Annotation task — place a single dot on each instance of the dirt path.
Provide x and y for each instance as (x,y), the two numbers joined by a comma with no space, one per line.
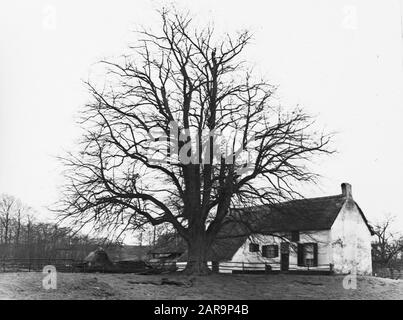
(127,286)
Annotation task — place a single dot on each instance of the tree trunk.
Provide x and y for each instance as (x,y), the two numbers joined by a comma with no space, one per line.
(197,257)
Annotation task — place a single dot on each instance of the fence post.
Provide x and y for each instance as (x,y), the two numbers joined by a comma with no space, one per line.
(243,266)
(215,266)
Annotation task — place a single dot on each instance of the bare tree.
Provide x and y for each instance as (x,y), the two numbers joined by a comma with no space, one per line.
(18,221)
(388,246)
(23,236)
(198,81)
(10,208)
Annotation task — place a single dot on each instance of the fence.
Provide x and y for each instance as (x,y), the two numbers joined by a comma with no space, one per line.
(383,271)
(260,267)
(70,265)
(23,265)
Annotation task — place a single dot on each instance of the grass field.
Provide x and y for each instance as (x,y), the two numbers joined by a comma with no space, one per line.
(28,285)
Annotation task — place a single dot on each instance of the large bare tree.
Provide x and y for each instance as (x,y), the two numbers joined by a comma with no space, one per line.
(179,82)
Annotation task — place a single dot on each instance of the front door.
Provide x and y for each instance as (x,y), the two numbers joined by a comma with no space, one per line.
(285,256)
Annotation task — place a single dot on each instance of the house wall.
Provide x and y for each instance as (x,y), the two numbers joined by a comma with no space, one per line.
(322,238)
(351,241)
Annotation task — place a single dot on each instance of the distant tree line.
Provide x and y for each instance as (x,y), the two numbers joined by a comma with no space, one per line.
(22,236)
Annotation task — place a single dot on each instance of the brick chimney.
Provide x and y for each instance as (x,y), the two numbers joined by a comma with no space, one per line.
(346,190)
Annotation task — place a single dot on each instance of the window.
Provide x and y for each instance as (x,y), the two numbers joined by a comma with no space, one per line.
(308,254)
(253,247)
(295,236)
(270,251)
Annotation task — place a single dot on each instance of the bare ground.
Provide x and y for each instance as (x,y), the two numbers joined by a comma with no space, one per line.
(129,286)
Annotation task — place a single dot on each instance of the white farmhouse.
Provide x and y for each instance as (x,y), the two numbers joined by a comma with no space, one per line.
(326,233)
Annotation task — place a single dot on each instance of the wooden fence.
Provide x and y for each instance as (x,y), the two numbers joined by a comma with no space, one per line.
(70,265)
(261,267)
(27,265)
(392,272)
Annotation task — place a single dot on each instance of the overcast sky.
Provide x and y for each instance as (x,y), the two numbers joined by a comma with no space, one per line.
(341,60)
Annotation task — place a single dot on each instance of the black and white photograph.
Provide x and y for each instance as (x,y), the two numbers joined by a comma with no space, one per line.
(204,151)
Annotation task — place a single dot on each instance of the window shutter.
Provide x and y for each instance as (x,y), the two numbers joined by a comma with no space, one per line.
(253,247)
(300,253)
(275,251)
(264,251)
(315,254)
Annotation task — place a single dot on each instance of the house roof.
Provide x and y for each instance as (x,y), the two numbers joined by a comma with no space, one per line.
(127,252)
(303,215)
(297,215)
(169,243)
